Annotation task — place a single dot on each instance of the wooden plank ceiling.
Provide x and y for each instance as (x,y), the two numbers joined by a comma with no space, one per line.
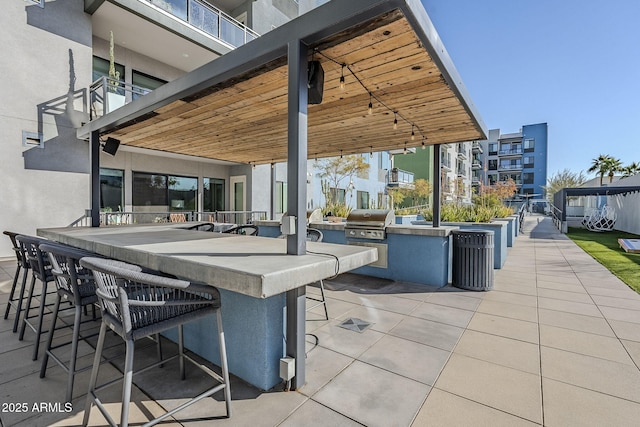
(245,120)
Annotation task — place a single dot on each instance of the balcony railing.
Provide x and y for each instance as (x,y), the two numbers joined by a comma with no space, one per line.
(510,166)
(462,154)
(107,95)
(510,152)
(207,18)
(476,147)
(446,164)
(399,178)
(476,164)
(124,218)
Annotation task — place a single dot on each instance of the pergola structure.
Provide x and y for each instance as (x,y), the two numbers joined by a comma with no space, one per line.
(250,105)
(560,198)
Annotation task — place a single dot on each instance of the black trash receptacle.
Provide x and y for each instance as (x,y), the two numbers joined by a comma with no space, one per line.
(472,267)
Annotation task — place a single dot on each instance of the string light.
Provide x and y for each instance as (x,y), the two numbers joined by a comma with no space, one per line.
(423,146)
(371,151)
(405,148)
(396,113)
(340,153)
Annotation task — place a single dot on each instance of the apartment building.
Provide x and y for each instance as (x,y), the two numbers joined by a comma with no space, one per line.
(520,156)
(456,164)
(58,54)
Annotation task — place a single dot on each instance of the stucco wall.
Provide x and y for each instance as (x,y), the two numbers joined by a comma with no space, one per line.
(46,53)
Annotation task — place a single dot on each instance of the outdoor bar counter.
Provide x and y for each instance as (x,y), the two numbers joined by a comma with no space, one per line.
(252,273)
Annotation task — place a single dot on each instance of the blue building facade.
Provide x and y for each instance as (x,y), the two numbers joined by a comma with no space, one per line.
(534,161)
(520,156)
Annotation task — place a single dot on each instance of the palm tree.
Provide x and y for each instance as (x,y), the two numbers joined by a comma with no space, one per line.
(612,165)
(630,170)
(598,166)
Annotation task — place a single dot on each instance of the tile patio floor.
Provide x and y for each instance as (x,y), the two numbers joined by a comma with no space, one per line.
(556,343)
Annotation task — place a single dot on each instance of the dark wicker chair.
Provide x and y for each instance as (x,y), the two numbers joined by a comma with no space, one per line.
(75,285)
(41,270)
(136,305)
(315,235)
(22,265)
(247,229)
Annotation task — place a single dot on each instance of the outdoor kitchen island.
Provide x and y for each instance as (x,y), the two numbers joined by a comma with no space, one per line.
(252,273)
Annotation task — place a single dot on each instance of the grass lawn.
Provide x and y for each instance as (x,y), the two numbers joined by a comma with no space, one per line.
(605,249)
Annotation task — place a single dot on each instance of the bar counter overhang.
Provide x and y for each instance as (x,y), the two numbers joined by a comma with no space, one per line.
(252,273)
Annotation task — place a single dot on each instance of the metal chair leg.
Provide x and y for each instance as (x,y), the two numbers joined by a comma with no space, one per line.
(45,360)
(324,300)
(91,397)
(25,319)
(23,287)
(74,351)
(181,351)
(13,291)
(43,302)
(223,363)
(126,386)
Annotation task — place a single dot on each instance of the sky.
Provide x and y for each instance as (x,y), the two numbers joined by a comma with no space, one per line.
(574,64)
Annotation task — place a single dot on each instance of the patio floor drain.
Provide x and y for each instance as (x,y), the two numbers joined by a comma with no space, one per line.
(354,324)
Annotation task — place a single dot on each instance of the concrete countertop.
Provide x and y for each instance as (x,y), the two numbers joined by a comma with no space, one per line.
(250,265)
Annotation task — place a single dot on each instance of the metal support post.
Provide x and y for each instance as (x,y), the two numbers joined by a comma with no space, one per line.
(296,199)
(437,185)
(94,142)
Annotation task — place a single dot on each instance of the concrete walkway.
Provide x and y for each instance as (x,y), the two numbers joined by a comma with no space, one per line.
(556,343)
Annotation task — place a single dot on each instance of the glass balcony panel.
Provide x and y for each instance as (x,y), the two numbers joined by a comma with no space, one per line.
(204,18)
(231,33)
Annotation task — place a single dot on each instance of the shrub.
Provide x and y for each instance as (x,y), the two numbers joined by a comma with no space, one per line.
(469,213)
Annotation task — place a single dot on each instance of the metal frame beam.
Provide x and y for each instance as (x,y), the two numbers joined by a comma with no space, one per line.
(94,143)
(437,185)
(297,199)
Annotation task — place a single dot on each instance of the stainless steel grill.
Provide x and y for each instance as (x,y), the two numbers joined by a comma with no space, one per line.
(369,224)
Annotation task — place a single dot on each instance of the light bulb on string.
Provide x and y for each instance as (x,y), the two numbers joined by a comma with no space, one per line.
(423,146)
(342,78)
(371,151)
(413,134)
(405,148)
(370,104)
(395,121)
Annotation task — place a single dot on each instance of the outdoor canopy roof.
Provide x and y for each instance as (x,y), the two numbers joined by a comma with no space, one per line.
(235,108)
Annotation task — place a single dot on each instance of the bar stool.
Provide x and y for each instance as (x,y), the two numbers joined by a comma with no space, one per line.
(136,305)
(41,270)
(75,284)
(23,264)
